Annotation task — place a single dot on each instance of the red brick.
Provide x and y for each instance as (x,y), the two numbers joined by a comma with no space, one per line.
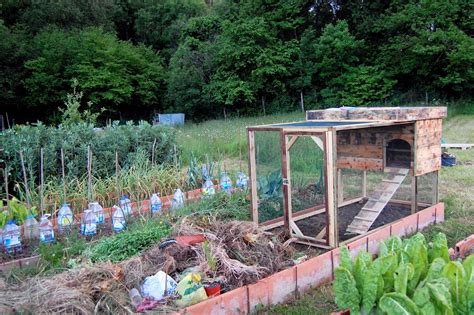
(376,237)
(282,286)
(356,246)
(235,302)
(314,272)
(258,295)
(335,259)
(210,306)
(466,246)
(426,217)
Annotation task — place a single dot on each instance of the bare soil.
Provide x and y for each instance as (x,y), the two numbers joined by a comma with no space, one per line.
(313,225)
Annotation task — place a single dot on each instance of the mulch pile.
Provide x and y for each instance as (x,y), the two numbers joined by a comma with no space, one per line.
(235,253)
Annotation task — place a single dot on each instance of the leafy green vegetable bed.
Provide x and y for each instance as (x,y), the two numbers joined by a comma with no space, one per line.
(408,277)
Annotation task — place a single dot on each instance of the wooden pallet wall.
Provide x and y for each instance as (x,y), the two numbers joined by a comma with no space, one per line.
(428,145)
(364,148)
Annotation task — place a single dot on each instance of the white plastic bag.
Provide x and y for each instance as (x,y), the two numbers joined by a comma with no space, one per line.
(158,286)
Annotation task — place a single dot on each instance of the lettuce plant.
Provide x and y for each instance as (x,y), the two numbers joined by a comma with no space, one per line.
(408,277)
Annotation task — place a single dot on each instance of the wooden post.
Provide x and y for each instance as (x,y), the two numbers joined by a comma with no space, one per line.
(331,188)
(117,187)
(253,175)
(25,181)
(5,178)
(153,152)
(364,184)
(285,173)
(435,186)
(41,181)
(63,175)
(340,187)
(89,174)
(414,194)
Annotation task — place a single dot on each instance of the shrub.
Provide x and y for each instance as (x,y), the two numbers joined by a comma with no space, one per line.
(127,140)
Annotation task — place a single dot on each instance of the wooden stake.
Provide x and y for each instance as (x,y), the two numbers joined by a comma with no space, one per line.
(414,194)
(117,177)
(63,175)
(25,181)
(364,184)
(240,151)
(153,152)
(175,156)
(89,173)
(8,120)
(5,178)
(41,181)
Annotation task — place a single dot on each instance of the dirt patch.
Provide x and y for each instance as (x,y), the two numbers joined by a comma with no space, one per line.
(313,225)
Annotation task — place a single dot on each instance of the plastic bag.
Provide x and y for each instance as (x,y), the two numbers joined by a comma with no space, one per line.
(191,290)
(158,286)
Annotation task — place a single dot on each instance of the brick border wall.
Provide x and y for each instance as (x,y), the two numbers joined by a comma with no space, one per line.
(286,285)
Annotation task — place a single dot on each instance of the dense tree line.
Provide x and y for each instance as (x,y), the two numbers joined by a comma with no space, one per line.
(213,57)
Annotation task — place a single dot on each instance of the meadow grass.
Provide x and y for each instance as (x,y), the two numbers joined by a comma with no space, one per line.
(220,139)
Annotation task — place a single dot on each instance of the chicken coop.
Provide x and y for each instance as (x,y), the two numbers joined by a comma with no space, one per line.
(344,171)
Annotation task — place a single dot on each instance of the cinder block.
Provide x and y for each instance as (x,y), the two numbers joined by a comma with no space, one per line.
(376,237)
(210,306)
(235,302)
(356,246)
(258,294)
(426,217)
(314,272)
(282,286)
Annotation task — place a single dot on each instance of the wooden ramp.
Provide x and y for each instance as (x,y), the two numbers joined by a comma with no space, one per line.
(378,200)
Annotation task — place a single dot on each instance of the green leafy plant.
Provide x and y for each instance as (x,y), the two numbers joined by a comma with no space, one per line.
(17,211)
(408,277)
(130,242)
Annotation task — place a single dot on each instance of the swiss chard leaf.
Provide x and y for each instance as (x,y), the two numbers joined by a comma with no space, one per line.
(345,258)
(398,304)
(370,287)
(402,275)
(418,255)
(439,248)
(345,290)
(361,266)
(455,274)
(440,295)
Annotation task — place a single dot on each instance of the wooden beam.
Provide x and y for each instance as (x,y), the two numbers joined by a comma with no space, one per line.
(340,187)
(292,141)
(296,229)
(321,234)
(364,183)
(318,141)
(285,173)
(331,187)
(414,194)
(435,186)
(252,175)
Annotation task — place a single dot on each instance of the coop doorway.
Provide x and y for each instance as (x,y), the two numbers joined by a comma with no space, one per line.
(398,154)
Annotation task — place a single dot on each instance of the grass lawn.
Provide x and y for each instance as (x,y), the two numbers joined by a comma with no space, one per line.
(222,140)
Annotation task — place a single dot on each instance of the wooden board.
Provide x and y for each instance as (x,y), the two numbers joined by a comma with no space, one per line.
(378,113)
(378,200)
(460,146)
(428,146)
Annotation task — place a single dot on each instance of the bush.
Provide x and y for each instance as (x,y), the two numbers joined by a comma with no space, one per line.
(127,140)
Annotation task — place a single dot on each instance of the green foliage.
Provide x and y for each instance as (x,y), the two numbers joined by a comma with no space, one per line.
(439,248)
(345,290)
(130,242)
(394,283)
(71,115)
(345,258)
(127,140)
(17,211)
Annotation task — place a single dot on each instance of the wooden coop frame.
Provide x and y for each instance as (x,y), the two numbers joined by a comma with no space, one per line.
(355,138)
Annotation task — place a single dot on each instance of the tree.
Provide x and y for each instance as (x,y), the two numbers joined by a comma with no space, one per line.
(113,74)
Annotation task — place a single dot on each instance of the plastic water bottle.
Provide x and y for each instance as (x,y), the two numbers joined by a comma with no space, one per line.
(208,189)
(155,204)
(118,220)
(88,223)
(178,199)
(126,205)
(46,230)
(242,180)
(225,182)
(31,228)
(98,211)
(65,218)
(12,237)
